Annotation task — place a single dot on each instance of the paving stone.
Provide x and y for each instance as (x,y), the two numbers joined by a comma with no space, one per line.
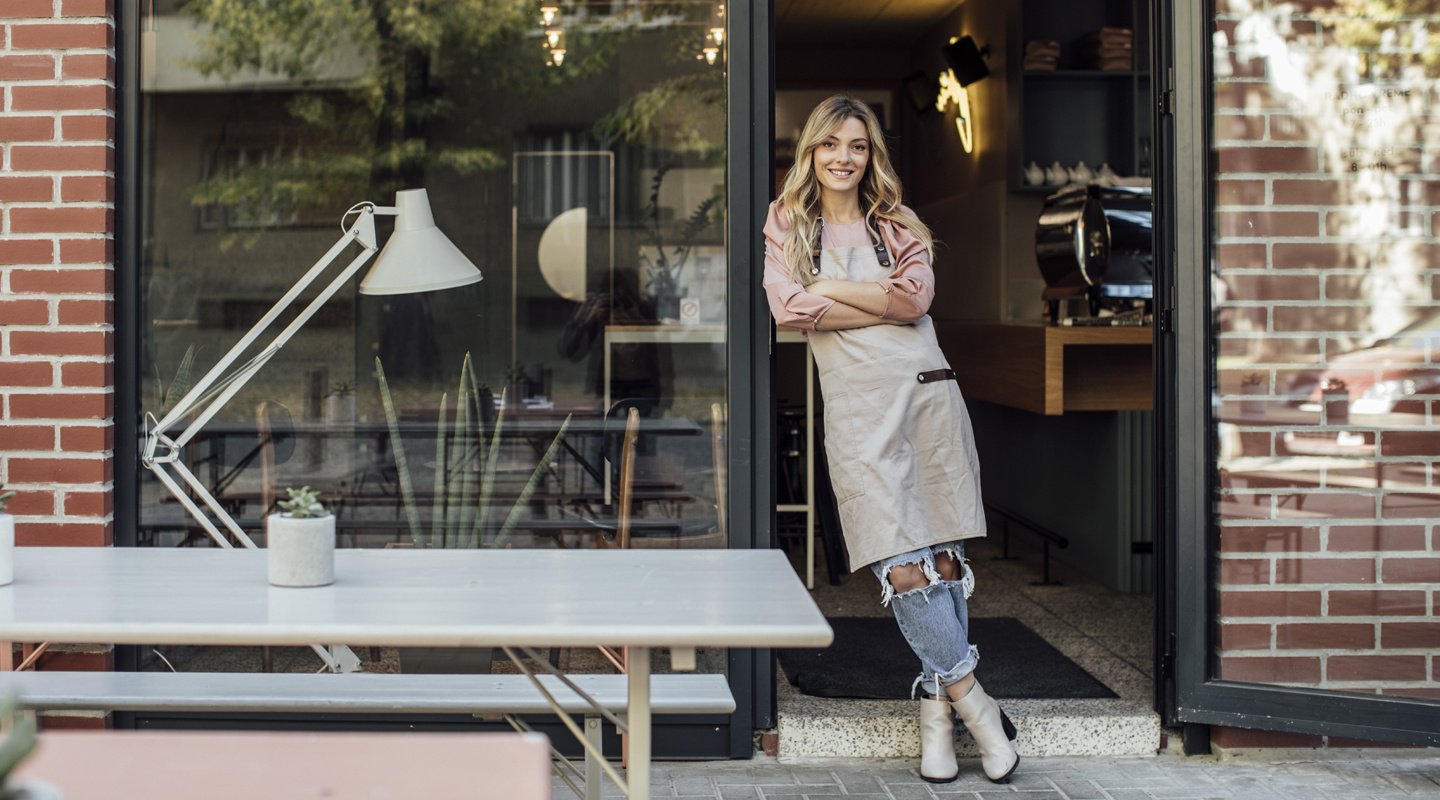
(1078,788)
(858,781)
(734,792)
(1128,794)
(910,791)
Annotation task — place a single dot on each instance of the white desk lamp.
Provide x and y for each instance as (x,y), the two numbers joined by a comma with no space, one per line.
(417,258)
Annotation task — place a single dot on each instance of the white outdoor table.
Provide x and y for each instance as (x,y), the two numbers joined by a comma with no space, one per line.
(639,599)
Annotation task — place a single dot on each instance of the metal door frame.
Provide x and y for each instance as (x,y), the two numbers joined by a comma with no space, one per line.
(1188,527)
(749,93)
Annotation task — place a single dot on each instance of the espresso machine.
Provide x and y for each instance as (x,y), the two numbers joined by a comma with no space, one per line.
(1094,245)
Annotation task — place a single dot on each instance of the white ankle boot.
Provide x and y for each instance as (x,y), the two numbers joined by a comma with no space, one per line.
(937,741)
(993,733)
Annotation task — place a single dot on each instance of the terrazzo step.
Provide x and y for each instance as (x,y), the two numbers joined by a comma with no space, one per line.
(812,728)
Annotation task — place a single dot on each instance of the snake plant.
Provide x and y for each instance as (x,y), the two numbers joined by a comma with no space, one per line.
(463,511)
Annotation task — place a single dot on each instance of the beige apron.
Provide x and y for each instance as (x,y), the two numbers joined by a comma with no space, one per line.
(901,452)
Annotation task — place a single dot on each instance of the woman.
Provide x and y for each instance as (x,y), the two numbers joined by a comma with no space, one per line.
(850,265)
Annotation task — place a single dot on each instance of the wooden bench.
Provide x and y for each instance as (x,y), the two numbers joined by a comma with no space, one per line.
(504,696)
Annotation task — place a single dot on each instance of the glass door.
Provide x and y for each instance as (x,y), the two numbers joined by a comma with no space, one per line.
(1305,380)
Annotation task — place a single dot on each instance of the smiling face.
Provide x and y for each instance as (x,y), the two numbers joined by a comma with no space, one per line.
(841,158)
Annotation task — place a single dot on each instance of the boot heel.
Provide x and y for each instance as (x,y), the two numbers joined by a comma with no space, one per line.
(1009,726)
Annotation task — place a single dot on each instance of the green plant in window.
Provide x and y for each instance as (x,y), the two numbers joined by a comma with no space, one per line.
(665,268)
(166,395)
(370,80)
(464,512)
(4,497)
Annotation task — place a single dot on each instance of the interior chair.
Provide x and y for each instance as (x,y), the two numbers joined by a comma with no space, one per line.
(706,532)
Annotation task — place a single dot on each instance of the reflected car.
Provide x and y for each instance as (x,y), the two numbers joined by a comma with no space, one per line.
(1394,375)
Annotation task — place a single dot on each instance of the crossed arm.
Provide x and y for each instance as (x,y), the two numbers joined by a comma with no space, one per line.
(857,305)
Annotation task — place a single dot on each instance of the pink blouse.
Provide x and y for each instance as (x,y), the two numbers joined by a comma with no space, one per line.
(909,289)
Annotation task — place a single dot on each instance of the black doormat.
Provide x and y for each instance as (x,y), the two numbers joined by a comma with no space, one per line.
(871,660)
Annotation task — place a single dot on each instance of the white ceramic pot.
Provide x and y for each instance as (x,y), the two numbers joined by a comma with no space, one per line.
(7,549)
(340,409)
(301,550)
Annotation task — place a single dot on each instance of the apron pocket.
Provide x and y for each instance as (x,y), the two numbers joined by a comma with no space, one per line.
(842,455)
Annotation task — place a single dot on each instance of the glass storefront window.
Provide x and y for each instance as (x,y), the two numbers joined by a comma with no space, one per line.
(575,153)
(1326,383)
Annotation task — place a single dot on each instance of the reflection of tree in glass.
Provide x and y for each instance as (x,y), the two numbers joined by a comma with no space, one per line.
(1389,35)
(369,137)
(1358,98)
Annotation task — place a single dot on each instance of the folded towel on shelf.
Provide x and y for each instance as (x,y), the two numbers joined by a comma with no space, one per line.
(1042,47)
(1039,65)
(1113,34)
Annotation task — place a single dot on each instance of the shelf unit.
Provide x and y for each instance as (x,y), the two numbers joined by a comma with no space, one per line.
(1073,113)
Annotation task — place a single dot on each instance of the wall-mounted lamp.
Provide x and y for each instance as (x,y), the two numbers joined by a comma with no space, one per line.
(952,91)
(967,60)
(552,35)
(548,14)
(557,56)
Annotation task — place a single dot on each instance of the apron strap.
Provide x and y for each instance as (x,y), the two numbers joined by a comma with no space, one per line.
(881,253)
(936,375)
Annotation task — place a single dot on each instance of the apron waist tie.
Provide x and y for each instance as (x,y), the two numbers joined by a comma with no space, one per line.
(936,375)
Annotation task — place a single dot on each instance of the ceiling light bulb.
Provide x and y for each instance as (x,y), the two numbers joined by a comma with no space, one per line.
(710,54)
(552,35)
(558,56)
(548,14)
(720,11)
(718,34)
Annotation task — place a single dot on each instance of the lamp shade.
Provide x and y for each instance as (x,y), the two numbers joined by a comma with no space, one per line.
(967,60)
(418,257)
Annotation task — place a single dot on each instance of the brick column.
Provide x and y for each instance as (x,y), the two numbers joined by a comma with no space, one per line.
(57,186)
(57,233)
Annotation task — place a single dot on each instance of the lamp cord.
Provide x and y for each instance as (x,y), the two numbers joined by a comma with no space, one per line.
(358,208)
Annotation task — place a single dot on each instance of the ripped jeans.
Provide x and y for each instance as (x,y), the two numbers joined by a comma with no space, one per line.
(935,618)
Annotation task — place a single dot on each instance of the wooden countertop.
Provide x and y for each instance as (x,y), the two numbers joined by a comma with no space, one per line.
(1048,369)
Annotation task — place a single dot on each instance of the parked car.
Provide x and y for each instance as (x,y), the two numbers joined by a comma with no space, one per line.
(1394,375)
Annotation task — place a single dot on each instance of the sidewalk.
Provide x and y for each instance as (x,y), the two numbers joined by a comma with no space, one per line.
(1363,776)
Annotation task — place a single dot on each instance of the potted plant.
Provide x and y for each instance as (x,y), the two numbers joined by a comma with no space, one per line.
(665,263)
(16,747)
(340,404)
(300,539)
(7,540)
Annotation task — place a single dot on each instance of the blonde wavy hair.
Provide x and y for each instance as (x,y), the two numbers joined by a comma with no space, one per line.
(879,187)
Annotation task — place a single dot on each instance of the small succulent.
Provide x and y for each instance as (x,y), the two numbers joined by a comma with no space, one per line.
(18,744)
(304,503)
(4,495)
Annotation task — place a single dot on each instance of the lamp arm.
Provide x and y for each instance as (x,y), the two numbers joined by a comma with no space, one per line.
(192,398)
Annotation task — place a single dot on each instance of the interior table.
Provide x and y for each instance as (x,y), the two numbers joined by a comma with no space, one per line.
(523,600)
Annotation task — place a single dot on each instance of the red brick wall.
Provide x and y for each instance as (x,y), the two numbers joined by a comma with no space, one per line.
(1327,231)
(57,186)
